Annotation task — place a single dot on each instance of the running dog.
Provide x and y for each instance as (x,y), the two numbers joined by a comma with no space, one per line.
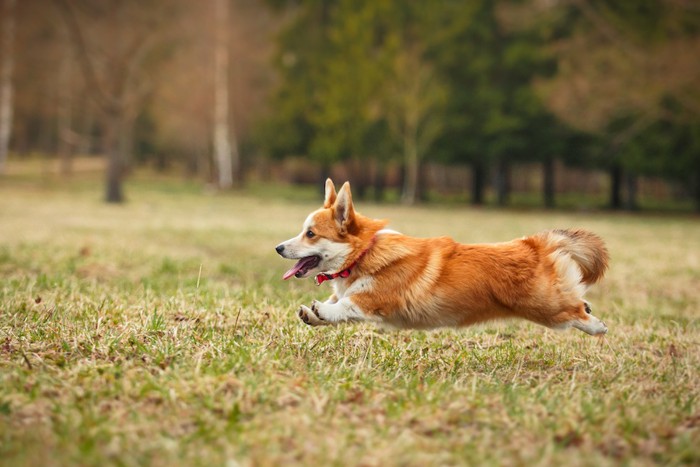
(382,276)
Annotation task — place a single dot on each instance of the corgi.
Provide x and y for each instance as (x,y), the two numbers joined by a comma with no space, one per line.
(382,276)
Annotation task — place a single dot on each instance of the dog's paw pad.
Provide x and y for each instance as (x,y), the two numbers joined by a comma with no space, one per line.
(303,315)
(309,316)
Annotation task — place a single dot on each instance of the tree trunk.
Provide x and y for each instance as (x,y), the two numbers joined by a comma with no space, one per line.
(206,166)
(696,188)
(616,187)
(422,187)
(503,182)
(548,182)
(412,167)
(379,181)
(64,113)
(325,174)
(631,189)
(360,176)
(113,142)
(85,144)
(6,70)
(225,145)
(126,143)
(478,182)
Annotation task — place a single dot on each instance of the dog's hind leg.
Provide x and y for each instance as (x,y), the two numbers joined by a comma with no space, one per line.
(590,324)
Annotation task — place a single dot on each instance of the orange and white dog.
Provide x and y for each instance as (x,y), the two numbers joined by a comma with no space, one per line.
(382,276)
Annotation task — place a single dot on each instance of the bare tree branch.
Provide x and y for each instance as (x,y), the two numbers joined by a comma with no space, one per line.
(104,100)
(6,71)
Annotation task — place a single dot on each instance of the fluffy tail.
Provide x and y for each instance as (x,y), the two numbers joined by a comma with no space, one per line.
(585,248)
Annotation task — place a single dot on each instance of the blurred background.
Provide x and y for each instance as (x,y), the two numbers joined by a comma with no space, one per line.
(569,103)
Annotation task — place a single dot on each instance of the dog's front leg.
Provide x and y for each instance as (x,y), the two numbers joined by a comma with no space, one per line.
(321,314)
(332,299)
(310,316)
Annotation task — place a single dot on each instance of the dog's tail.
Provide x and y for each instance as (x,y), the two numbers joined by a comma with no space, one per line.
(585,248)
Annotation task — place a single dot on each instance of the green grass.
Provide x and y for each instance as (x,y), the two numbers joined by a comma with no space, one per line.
(159,332)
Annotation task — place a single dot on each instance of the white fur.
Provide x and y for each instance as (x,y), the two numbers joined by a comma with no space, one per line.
(363,284)
(569,273)
(333,255)
(592,326)
(295,248)
(343,310)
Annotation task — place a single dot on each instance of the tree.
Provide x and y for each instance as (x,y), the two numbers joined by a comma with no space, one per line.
(64,102)
(114,42)
(6,68)
(490,62)
(333,61)
(619,65)
(414,102)
(302,47)
(225,143)
(348,117)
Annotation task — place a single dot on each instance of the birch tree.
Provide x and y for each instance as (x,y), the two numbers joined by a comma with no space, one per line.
(6,90)
(225,145)
(64,113)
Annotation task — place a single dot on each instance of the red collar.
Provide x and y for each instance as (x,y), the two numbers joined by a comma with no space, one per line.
(323,277)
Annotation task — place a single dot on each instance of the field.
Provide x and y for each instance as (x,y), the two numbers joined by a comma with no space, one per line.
(160,333)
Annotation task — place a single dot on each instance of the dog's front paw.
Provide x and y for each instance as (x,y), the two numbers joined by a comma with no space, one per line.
(310,315)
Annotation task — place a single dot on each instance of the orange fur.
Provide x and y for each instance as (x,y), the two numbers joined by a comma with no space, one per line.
(411,282)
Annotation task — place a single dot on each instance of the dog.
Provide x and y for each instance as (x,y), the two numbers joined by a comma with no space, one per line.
(382,276)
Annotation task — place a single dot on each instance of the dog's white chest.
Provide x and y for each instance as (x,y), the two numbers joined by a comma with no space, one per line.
(343,288)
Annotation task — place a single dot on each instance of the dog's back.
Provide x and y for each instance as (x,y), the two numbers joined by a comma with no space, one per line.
(434,282)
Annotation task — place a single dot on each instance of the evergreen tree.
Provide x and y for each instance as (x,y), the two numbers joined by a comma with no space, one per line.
(495,117)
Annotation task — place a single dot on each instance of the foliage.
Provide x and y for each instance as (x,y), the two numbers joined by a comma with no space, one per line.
(494,112)
(465,71)
(628,73)
(333,62)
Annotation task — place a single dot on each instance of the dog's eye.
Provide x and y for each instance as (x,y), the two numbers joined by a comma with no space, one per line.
(310,234)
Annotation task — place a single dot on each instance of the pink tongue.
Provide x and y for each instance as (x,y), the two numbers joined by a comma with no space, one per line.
(295,269)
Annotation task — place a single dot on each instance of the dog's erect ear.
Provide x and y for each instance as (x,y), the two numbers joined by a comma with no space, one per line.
(344,211)
(330,194)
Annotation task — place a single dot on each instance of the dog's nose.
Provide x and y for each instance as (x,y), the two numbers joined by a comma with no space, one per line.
(279,249)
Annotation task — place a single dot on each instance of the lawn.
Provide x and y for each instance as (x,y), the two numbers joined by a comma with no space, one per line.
(160,332)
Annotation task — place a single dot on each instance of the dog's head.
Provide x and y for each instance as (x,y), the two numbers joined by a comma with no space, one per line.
(327,237)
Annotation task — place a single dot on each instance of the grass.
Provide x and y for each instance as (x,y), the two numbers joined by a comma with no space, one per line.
(160,333)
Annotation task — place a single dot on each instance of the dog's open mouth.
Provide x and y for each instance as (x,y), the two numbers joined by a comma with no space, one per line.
(303,266)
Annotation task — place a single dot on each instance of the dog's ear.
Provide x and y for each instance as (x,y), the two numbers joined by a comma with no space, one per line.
(344,211)
(330,194)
